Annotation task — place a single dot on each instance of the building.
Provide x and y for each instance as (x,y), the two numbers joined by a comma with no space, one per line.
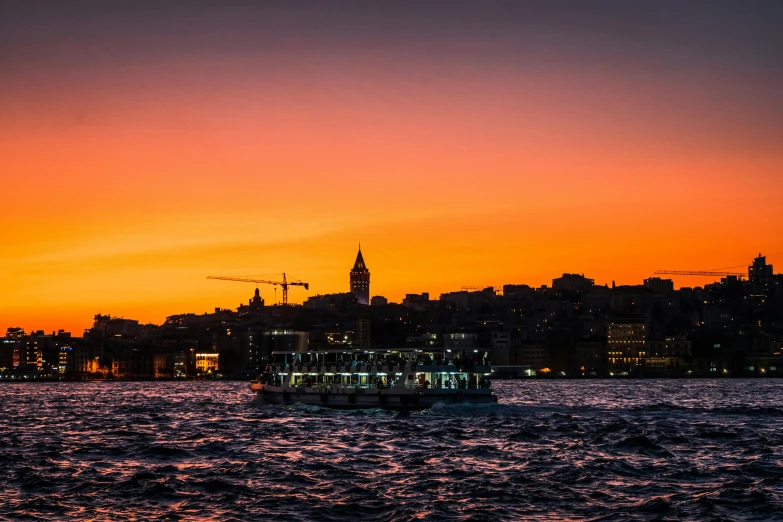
(132,363)
(7,348)
(760,273)
(525,290)
(84,362)
(626,348)
(500,348)
(460,340)
(659,286)
(331,301)
(206,362)
(360,279)
(65,362)
(533,355)
(416,301)
(378,300)
(163,365)
(670,355)
(283,341)
(572,283)
(590,358)
(253,305)
(363,332)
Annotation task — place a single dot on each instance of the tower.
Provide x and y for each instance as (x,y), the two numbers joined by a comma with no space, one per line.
(360,279)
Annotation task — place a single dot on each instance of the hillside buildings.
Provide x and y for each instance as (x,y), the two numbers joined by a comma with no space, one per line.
(574,328)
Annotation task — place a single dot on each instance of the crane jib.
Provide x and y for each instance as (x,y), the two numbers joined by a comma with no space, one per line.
(284,284)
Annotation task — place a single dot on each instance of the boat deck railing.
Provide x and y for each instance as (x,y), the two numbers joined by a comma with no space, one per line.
(444,386)
(375,368)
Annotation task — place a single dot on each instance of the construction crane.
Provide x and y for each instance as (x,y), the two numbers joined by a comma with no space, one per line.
(718,272)
(479,288)
(284,284)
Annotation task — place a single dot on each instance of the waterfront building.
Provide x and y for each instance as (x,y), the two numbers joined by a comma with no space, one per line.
(132,363)
(206,362)
(163,365)
(83,361)
(670,355)
(626,344)
(590,358)
(500,348)
(533,355)
(66,358)
(360,279)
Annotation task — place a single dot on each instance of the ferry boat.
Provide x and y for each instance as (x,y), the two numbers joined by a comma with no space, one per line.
(401,379)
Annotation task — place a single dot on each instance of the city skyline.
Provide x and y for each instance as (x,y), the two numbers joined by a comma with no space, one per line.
(357,284)
(573,328)
(391,259)
(504,143)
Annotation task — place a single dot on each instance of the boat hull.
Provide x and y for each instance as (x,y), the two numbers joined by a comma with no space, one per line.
(358,398)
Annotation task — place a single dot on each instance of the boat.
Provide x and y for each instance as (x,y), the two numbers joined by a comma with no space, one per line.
(399,379)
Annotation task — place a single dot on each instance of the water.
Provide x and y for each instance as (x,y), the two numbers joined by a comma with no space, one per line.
(598,450)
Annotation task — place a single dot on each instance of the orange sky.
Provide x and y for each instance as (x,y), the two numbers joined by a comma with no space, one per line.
(133,167)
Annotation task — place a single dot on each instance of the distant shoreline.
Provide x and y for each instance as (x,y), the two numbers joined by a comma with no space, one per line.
(559,378)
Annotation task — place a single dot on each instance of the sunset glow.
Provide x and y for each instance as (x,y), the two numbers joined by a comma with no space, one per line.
(142,151)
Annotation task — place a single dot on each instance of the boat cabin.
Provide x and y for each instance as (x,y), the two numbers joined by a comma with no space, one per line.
(439,368)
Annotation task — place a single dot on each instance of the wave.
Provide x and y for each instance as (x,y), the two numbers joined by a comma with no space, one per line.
(563,450)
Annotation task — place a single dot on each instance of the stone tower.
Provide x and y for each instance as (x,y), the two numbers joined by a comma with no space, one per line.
(360,279)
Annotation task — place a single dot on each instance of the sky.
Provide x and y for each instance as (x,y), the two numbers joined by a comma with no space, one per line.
(147,145)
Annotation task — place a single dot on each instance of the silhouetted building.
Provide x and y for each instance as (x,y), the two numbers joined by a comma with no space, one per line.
(417,301)
(509,290)
(735,328)
(362,330)
(760,273)
(659,286)
(572,283)
(360,279)
(378,300)
(465,300)
(253,305)
(331,301)
(631,301)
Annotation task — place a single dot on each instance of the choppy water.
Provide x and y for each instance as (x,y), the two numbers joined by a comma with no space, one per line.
(600,450)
